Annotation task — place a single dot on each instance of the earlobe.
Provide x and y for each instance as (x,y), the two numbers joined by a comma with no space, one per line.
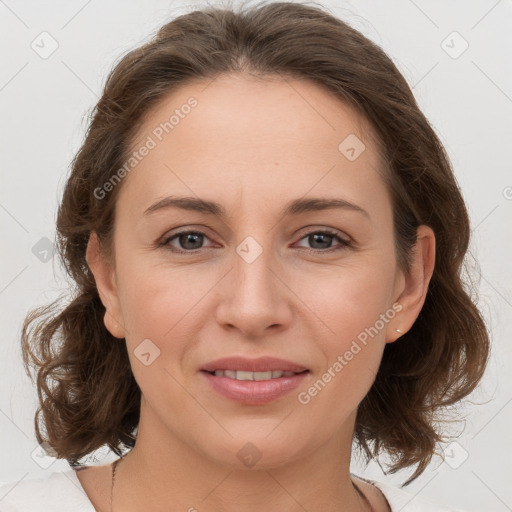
(105,283)
(398,334)
(416,282)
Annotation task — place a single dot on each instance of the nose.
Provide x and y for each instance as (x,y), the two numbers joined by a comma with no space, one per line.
(254,296)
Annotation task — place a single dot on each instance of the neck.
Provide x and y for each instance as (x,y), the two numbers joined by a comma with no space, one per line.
(163,470)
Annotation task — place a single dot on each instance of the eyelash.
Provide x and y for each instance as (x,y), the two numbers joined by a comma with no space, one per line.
(344,243)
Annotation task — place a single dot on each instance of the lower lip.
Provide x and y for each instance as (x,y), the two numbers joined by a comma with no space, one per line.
(254,392)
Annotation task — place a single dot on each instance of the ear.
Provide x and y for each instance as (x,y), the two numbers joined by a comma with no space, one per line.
(414,285)
(104,275)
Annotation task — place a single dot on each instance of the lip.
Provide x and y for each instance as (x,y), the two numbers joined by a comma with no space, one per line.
(254,392)
(261,364)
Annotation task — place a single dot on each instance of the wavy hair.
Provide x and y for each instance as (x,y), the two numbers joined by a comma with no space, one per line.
(88,395)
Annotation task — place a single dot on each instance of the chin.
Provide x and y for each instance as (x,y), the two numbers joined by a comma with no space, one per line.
(257,452)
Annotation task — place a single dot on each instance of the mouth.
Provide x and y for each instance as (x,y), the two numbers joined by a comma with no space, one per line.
(253,381)
(243,375)
(253,388)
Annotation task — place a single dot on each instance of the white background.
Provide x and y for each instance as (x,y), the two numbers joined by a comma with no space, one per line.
(468,100)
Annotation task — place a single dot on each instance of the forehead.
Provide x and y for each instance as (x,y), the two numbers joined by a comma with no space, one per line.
(243,136)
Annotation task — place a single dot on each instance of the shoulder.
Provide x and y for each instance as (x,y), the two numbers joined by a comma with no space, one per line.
(61,491)
(404,501)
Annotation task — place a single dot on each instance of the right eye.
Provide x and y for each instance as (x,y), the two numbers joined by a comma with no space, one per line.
(189,241)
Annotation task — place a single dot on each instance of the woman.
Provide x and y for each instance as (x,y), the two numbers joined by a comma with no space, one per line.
(267,238)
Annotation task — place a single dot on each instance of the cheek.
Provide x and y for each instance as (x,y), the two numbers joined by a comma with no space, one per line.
(347,300)
(158,304)
(352,351)
(165,305)
(353,311)
(158,311)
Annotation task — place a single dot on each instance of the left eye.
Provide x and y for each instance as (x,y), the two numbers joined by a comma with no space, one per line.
(325,238)
(190,241)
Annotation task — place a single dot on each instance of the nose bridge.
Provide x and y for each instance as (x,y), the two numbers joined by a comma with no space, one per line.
(254,267)
(254,298)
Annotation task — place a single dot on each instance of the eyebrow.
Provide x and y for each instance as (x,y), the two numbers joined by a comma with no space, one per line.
(294,207)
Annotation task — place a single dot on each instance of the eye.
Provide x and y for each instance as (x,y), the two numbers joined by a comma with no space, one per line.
(188,241)
(323,239)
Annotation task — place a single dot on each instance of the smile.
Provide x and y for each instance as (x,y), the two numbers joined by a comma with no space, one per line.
(245,375)
(253,388)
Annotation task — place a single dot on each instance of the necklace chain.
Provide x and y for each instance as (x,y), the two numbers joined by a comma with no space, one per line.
(114,467)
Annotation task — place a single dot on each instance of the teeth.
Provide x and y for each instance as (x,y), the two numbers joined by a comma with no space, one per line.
(243,375)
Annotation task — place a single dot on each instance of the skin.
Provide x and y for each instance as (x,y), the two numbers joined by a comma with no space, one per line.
(251,145)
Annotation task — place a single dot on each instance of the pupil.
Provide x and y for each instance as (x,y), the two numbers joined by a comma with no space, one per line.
(315,238)
(185,238)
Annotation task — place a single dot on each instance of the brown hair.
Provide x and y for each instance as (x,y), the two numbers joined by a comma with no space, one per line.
(88,395)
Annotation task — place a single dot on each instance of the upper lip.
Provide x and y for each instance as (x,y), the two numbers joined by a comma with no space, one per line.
(261,364)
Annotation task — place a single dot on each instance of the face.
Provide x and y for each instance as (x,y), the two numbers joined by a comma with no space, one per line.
(313,286)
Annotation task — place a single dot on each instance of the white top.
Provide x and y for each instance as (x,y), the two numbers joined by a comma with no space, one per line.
(61,491)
